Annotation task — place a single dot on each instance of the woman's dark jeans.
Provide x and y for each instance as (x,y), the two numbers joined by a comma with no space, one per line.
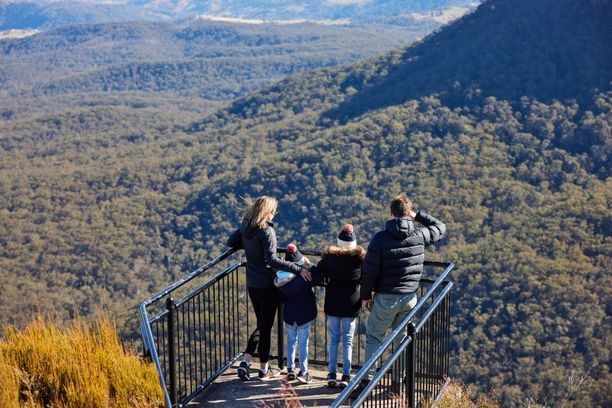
(265,303)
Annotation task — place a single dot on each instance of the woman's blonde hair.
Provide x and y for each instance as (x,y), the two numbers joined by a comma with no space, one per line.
(259,210)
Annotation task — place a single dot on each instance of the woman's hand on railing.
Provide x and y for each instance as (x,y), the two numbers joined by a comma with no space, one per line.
(305,273)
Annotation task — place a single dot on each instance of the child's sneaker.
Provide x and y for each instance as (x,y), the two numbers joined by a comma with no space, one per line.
(344,381)
(331,380)
(291,375)
(304,378)
(269,373)
(243,371)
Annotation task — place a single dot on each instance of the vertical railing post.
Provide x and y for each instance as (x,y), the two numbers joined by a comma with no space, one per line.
(411,366)
(280,335)
(447,333)
(171,306)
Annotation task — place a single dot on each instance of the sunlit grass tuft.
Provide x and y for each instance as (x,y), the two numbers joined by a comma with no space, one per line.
(80,366)
(457,395)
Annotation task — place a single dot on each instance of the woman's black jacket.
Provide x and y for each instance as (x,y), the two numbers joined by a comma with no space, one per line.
(260,248)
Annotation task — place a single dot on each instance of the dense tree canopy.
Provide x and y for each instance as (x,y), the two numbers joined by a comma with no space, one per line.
(102,205)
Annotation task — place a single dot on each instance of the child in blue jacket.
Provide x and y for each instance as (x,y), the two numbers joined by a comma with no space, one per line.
(299,309)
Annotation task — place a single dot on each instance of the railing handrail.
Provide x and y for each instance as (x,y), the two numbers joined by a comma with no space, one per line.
(189,277)
(197,272)
(401,327)
(154,298)
(210,282)
(383,370)
(149,346)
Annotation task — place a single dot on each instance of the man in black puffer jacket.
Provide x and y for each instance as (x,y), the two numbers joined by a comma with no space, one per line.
(392,269)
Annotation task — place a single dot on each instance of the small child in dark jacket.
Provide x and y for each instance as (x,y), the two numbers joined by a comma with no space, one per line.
(299,309)
(342,265)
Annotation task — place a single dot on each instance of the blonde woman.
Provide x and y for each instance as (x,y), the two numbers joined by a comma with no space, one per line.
(257,237)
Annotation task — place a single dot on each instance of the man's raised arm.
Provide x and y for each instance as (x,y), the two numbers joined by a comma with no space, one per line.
(433,230)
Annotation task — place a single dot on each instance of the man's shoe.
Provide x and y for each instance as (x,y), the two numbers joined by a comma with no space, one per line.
(243,371)
(344,381)
(359,389)
(304,378)
(331,380)
(291,375)
(269,373)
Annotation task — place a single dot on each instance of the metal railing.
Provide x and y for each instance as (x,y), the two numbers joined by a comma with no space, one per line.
(194,339)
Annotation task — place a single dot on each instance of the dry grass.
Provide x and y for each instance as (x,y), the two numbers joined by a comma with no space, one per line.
(80,366)
(289,398)
(457,395)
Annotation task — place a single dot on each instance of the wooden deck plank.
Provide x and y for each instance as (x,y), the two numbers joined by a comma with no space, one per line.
(230,391)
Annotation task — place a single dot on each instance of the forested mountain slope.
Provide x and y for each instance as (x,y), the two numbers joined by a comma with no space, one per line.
(85,111)
(507,50)
(521,179)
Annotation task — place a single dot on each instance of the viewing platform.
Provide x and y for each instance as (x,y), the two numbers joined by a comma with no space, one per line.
(199,327)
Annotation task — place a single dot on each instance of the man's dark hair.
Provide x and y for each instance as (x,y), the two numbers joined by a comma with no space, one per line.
(401,206)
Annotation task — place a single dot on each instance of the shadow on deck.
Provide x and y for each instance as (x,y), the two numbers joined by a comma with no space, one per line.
(230,391)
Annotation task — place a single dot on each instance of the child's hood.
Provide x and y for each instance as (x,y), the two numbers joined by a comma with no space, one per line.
(342,251)
(293,285)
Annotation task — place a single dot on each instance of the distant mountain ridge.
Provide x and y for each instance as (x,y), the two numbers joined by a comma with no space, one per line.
(296,9)
(209,60)
(27,14)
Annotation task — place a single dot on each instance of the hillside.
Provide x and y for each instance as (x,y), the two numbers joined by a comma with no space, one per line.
(521,176)
(506,50)
(79,104)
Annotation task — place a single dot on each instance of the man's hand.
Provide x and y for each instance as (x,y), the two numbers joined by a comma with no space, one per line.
(306,261)
(412,214)
(367,304)
(305,273)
